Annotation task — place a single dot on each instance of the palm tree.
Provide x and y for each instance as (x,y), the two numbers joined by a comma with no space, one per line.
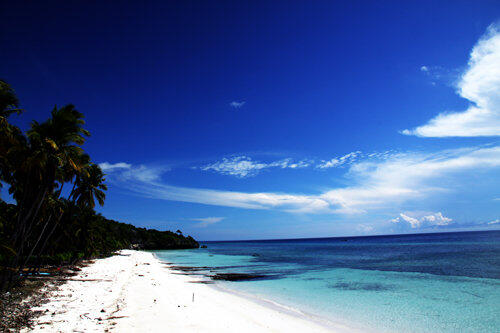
(8,100)
(11,136)
(90,187)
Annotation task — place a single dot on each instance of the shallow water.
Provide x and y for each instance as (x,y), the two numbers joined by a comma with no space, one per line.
(448,282)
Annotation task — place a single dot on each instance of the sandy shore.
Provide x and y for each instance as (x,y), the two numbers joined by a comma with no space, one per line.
(135,292)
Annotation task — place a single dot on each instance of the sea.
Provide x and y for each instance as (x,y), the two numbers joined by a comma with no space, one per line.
(439,282)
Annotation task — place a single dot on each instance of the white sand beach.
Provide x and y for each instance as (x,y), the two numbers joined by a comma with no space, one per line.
(136,292)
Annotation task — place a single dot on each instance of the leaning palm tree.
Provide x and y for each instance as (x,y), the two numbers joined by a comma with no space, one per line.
(49,158)
(89,187)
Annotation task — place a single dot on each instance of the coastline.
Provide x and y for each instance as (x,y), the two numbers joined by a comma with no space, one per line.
(135,291)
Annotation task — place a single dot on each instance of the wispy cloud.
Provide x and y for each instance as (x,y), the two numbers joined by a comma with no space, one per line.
(438,74)
(206,221)
(143,173)
(480,84)
(407,175)
(105,166)
(494,221)
(236,104)
(239,166)
(338,161)
(418,220)
(244,166)
(374,184)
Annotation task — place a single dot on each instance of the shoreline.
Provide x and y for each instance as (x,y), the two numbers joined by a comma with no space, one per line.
(330,325)
(136,291)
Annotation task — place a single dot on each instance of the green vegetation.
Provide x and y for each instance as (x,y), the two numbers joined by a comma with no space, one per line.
(51,223)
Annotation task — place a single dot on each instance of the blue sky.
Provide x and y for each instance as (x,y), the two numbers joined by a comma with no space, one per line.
(246,120)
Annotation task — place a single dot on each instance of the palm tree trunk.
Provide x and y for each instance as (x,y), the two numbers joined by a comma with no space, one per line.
(37,241)
(50,234)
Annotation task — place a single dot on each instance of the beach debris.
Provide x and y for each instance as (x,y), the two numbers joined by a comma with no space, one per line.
(193,297)
(17,305)
(85,315)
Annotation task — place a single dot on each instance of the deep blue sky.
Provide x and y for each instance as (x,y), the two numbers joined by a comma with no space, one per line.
(316,81)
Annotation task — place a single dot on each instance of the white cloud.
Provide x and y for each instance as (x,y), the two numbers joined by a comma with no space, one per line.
(437,219)
(144,173)
(338,161)
(206,221)
(494,221)
(417,221)
(374,184)
(480,84)
(236,104)
(105,166)
(288,163)
(364,228)
(424,69)
(243,166)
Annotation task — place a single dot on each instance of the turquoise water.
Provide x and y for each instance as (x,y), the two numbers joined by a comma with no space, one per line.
(413,283)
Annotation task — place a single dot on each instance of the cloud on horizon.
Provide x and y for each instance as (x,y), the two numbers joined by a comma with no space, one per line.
(419,220)
(480,84)
(365,228)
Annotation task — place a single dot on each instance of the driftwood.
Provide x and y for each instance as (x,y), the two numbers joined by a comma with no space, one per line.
(114,317)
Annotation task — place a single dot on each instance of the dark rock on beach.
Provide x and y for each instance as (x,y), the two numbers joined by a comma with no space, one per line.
(189,268)
(237,276)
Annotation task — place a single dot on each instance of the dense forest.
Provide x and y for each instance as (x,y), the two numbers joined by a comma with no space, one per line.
(55,187)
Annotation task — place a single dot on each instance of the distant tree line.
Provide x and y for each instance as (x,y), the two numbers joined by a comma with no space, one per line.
(56,186)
